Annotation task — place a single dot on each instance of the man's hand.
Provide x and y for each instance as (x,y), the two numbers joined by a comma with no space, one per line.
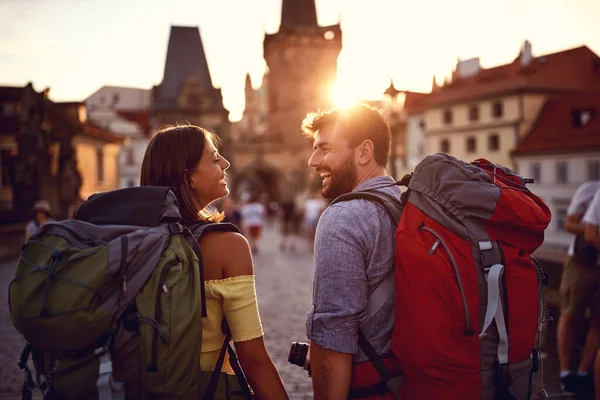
(592,236)
(331,373)
(574,224)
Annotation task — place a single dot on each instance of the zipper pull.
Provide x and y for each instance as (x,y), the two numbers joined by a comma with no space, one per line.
(166,290)
(434,247)
(124,285)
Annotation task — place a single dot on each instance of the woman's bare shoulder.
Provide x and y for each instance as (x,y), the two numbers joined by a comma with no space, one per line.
(230,250)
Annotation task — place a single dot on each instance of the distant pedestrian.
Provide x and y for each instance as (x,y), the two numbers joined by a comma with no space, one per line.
(289,224)
(253,219)
(579,291)
(313,207)
(41,216)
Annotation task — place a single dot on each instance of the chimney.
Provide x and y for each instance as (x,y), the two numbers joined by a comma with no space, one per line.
(467,68)
(525,57)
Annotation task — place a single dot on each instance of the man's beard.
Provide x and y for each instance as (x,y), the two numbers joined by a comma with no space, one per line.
(342,180)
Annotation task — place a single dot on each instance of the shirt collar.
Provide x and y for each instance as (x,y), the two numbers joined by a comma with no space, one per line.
(374,182)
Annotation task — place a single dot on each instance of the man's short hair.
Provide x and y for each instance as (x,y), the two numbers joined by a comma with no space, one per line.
(355,124)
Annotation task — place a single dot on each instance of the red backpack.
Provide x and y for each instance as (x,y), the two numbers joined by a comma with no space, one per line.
(469,296)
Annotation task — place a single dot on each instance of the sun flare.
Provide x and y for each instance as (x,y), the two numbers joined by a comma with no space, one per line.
(344,95)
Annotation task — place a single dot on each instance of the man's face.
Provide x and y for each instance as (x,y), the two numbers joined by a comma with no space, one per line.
(333,159)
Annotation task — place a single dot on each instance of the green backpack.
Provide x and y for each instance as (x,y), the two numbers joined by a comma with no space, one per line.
(111,303)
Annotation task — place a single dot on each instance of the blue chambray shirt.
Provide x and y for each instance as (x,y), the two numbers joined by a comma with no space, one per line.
(354,252)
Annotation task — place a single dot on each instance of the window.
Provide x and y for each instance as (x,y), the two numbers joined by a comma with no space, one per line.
(129,157)
(561,172)
(473,113)
(536,172)
(593,170)
(100,164)
(498,109)
(447,117)
(10,109)
(493,142)
(582,117)
(471,145)
(445,146)
(560,212)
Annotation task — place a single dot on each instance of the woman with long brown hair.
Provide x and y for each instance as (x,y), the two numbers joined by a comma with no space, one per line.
(186,159)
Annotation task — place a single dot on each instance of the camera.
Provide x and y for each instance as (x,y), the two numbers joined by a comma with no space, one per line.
(299,355)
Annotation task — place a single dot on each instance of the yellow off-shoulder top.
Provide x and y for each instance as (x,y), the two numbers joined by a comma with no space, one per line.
(235,299)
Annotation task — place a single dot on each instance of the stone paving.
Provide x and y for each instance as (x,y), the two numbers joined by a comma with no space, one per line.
(284,285)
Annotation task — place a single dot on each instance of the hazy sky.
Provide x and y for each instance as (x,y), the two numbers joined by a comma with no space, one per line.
(76,46)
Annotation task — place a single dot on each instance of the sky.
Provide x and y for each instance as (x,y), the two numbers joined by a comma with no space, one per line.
(77,46)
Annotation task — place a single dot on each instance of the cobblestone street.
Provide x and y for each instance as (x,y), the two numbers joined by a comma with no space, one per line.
(284,285)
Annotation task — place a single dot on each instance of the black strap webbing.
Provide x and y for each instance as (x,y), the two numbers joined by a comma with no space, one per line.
(214,378)
(370,352)
(233,360)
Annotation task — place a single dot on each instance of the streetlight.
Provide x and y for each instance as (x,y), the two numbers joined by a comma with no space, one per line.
(394,105)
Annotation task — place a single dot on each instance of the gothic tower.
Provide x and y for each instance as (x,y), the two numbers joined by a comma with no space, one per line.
(302,62)
(186,93)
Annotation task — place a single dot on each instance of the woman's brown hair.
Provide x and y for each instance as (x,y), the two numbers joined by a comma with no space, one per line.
(171,156)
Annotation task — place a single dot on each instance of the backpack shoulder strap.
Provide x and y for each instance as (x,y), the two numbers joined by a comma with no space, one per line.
(392,205)
(200,228)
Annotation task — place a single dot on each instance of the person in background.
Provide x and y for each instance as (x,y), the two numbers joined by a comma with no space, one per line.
(591,219)
(41,215)
(313,207)
(288,224)
(186,159)
(578,290)
(253,218)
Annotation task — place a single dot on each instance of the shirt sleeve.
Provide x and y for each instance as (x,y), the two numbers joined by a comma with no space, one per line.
(579,201)
(240,307)
(340,282)
(592,215)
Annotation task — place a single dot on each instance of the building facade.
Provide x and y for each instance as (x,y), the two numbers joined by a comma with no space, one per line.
(50,151)
(560,152)
(486,112)
(124,111)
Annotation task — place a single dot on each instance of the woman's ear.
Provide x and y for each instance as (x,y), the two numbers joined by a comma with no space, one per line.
(365,152)
(189,180)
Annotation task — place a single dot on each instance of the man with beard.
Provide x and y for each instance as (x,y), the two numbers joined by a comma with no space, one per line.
(354,253)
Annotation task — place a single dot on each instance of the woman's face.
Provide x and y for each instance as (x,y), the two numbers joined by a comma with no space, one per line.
(208,178)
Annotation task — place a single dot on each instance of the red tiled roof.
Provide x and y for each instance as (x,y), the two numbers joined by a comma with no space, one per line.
(142,118)
(555,131)
(573,70)
(95,131)
(415,102)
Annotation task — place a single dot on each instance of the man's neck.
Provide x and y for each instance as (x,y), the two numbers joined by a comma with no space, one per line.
(370,173)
